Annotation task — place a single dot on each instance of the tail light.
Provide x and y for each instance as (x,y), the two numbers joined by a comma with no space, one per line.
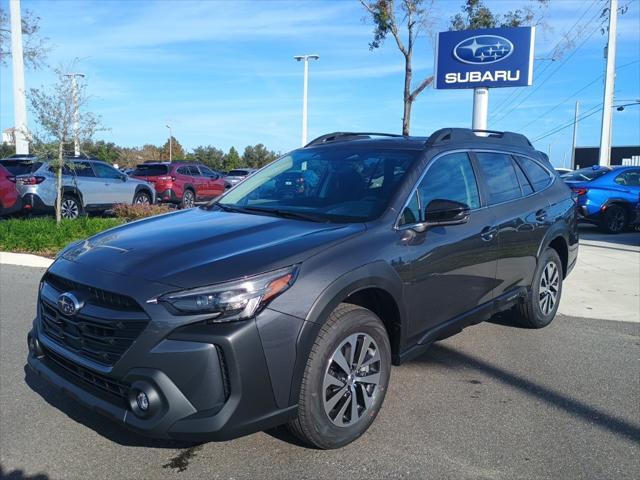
(32,180)
(579,191)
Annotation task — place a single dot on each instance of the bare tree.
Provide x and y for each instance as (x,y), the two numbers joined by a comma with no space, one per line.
(53,109)
(389,18)
(407,20)
(35,48)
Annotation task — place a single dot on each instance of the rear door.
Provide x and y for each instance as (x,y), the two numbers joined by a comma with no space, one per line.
(522,217)
(82,176)
(200,183)
(453,267)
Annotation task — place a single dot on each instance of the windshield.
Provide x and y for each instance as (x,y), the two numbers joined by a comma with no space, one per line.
(585,174)
(150,170)
(21,167)
(329,184)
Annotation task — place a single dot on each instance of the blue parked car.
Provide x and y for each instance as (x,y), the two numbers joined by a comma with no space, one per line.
(607,196)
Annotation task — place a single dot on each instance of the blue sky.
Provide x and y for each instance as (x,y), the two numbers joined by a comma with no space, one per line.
(222,73)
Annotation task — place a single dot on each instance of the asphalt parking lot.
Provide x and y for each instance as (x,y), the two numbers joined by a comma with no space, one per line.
(494,402)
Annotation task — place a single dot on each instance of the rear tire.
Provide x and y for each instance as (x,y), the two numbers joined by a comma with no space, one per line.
(188,199)
(70,208)
(614,219)
(540,306)
(335,406)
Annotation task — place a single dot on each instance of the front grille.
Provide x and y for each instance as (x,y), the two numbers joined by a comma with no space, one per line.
(104,339)
(105,384)
(96,295)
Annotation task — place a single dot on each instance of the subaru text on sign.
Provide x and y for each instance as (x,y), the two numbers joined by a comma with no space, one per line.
(491,57)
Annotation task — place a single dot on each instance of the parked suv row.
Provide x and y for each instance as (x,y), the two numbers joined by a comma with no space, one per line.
(87,184)
(274,307)
(182,183)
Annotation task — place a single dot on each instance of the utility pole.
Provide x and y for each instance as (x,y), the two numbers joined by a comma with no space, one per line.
(609,83)
(76,114)
(17,62)
(480,108)
(575,135)
(305,59)
(170,143)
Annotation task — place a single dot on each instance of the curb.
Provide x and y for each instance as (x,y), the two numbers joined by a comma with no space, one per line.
(24,260)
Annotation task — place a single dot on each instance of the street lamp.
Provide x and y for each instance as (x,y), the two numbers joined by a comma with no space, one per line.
(305,59)
(170,143)
(76,118)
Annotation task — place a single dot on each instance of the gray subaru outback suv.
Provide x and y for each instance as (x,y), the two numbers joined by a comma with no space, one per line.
(88,185)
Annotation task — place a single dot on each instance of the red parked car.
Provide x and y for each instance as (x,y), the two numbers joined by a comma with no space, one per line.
(9,198)
(181,183)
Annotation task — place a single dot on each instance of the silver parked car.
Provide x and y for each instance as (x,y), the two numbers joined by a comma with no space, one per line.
(236,176)
(88,185)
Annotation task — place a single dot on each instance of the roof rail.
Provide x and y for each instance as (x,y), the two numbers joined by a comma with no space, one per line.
(445,135)
(346,136)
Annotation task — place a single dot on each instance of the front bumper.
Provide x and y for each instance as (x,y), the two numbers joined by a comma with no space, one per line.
(205,382)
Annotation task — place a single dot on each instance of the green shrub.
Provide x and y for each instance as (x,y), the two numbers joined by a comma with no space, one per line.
(136,212)
(43,237)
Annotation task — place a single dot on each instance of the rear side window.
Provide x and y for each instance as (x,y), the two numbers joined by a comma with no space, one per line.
(629,178)
(21,167)
(150,170)
(193,171)
(539,176)
(527,189)
(83,169)
(183,170)
(500,176)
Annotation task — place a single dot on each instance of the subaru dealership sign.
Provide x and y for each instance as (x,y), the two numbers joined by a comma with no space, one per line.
(491,57)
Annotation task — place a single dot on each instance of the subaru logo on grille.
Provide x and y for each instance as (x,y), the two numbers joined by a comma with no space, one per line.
(68,304)
(483,49)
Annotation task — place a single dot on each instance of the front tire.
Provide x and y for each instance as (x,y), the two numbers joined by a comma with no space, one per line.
(70,208)
(540,307)
(142,198)
(614,219)
(345,379)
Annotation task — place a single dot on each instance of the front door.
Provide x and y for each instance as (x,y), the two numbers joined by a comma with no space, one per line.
(453,268)
(116,190)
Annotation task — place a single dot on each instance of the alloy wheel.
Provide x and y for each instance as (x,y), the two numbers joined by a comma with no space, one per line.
(549,287)
(69,209)
(616,220)
(142,200)
(351,379)
(187,199)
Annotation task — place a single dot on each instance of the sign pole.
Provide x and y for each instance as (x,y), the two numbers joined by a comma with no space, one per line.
(480,108)
(19,99)
(607,103)
(575,135)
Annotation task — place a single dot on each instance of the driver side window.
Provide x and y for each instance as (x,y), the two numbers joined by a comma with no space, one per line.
(450,177)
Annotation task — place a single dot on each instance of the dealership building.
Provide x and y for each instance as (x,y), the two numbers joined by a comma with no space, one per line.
(588,156)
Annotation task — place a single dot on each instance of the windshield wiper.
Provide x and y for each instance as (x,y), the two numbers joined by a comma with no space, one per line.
(288,214)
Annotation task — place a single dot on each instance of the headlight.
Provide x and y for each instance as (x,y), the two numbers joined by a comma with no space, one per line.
(231,301)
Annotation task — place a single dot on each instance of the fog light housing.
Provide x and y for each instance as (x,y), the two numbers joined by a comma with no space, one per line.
(34,345)
(144,400)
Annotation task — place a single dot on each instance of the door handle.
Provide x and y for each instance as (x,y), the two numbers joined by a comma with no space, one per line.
(488,233)
(541,215)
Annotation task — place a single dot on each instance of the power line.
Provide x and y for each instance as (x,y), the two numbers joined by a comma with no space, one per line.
(571,96)
(518,92)
(566,59)
(555,130)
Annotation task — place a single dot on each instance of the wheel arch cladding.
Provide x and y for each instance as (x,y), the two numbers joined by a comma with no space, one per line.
(559,244)
(68,190)
(141,189)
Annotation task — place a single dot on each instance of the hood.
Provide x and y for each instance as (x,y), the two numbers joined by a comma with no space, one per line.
(198,247)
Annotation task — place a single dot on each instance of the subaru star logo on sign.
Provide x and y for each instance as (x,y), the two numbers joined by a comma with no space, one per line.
(68,304)
(494,57)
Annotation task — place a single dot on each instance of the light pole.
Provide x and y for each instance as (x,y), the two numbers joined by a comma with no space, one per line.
(76,117)
(609,85)
(305,59)
(17,63)
(170,143)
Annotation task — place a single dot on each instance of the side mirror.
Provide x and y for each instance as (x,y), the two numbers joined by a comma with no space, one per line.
(446,212)
(443,212)
(124,177)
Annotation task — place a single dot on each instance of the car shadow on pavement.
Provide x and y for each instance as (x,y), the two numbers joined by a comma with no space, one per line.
(20,475)
(101,425)
(590,233)
(454,359)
